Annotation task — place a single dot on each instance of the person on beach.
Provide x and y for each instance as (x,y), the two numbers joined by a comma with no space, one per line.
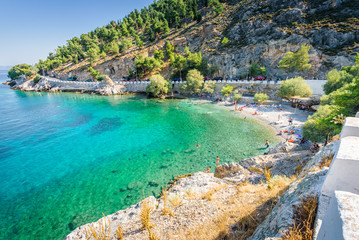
(217,161)
(278,117)
(208,170)
(267,144)
(290,120)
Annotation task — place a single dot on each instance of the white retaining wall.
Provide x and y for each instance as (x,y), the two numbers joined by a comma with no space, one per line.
(140,86)
(338,210)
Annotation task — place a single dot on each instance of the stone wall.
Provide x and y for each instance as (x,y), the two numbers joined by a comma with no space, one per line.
(338,210)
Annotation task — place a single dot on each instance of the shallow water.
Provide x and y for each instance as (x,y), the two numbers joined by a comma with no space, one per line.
(67,158)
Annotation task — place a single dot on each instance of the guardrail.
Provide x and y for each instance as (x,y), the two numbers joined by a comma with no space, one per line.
(172,82)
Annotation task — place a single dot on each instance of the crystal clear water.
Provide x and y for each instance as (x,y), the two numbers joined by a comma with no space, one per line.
(67,158)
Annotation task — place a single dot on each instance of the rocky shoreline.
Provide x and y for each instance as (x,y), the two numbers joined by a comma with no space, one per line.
(201,200)
(105,87)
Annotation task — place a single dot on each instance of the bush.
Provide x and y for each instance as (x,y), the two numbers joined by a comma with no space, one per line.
(208,87)
(37,79)
(227,90)
(237,96)
(225,41)
(194,81)
(100,78)
(21,69)
(261,98)
(294,87)
(158,87)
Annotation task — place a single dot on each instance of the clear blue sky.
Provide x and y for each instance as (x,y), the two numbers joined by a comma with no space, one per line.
(30,29)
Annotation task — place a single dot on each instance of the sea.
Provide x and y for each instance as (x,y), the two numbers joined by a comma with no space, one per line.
(66,158)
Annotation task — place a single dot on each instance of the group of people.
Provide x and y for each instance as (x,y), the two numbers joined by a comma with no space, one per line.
(209,168)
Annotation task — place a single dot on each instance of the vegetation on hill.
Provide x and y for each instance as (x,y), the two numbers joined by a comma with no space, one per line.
(342,100)
(147,25)
(21,69)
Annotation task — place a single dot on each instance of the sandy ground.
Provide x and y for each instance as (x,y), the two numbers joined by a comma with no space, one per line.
(270,115)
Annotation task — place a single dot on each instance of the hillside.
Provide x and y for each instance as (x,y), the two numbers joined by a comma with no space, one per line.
(257,31)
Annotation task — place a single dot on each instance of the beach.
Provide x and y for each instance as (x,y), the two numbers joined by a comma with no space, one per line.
(270,115)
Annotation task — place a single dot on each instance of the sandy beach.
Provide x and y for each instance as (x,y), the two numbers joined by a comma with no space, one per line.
(270,115)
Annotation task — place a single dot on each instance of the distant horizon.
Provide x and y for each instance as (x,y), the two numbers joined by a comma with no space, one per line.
(34,29)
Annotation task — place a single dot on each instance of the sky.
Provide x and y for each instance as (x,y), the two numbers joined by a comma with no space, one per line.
(31,29)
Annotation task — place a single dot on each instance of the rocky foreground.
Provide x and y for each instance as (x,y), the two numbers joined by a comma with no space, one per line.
(241,201)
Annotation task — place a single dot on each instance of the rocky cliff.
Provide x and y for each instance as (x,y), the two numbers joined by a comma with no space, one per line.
(258,31)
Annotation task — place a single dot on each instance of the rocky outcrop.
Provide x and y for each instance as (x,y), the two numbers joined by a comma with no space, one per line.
(105,87)
(308,183)
(258,31)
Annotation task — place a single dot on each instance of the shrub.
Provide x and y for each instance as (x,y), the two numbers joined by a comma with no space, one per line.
(208,87)
(261,98)
(194,81)
(225,41)
(37,79)
(158,87)
(227,90)
(100,78)
(21,69)
(237,96)
(294,87)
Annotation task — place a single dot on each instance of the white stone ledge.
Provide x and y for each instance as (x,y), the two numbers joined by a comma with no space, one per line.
(350,128)
(344,171)
(342,218)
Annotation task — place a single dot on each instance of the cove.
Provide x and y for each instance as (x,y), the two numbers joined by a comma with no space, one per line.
(67,158)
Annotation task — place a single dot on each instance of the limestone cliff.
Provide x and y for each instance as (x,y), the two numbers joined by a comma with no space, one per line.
(258,31)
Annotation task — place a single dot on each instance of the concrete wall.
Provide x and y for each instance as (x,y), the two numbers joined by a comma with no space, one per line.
(338,210)
(268,87)
(316,86)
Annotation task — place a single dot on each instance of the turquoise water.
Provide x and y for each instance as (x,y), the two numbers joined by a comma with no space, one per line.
(67,158)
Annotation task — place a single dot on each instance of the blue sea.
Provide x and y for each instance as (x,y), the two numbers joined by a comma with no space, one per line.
(67,158)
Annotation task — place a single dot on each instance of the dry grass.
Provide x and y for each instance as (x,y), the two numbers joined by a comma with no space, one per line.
(280,182)
(304,215)
(166,210)
(241,214)
(119,232)
(102,233)
(191,194)
(145,215)
(152,236)
(266,172)
(209,194)
(175,200)
(326,161)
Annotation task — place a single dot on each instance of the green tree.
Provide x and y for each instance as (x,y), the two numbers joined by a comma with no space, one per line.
(179,63)
(139,42)
(125,44)
(92,54)
(21,69)
(93,73)
(158,87)
(319,126)
(159,55)
(169,49)
(227,90)
(194,81)
(337,79)
(216,6)
(256,70)
(298,61)
(237,96)
(357,59)
(209,87)
(225,42)
(260,98)
(294,87)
